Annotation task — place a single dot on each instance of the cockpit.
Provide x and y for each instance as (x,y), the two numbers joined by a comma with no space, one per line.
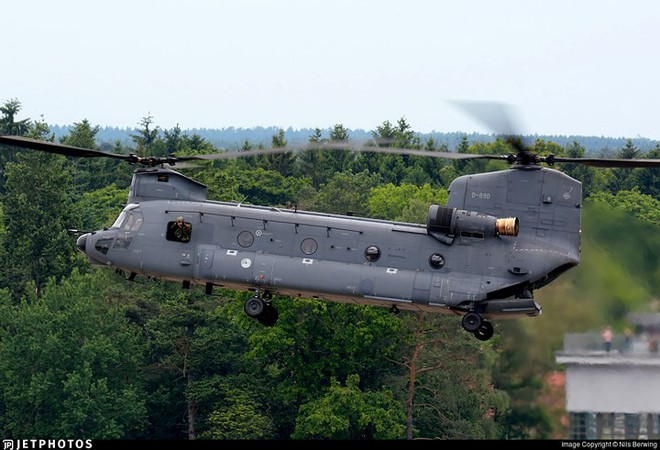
(119,236)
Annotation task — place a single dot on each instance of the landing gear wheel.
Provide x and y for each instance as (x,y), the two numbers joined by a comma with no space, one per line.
(485,331)
(394,310)
(254,306)
(471,322)
(269,316)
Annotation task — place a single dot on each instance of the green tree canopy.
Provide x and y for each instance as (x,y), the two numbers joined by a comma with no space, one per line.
(642,206)
(9,125)
(38,212)
(70,364)
(405,203)
(348,412)
(345,193)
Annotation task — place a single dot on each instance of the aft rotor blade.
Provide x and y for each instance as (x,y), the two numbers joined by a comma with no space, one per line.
(498,117)
(606,162)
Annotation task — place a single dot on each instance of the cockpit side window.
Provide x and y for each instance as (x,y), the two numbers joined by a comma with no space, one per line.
(129,222)
(179,230)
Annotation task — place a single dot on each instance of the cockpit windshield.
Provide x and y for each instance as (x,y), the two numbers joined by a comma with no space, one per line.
(130,218)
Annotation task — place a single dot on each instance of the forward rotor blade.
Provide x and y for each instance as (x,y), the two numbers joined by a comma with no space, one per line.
(350,147)
(78,152)
(52,147)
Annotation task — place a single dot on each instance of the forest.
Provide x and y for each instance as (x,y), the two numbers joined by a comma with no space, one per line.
(87,353)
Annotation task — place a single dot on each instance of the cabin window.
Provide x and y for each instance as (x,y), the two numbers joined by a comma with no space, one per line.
(245,239)
(372,253)
(179,230)
(308,246)
(437,261)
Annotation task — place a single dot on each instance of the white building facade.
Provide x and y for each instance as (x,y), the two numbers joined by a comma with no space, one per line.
(611,394)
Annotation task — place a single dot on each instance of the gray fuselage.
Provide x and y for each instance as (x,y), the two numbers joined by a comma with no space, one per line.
(351,259)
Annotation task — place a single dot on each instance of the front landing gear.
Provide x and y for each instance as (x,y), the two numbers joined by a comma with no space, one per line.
(262,310)
(473,323)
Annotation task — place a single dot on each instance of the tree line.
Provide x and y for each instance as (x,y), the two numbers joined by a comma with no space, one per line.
(85,353)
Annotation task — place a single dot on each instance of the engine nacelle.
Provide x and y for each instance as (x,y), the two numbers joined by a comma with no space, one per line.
(452,221)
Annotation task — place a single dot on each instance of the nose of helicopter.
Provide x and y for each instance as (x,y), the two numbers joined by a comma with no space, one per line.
(82,242)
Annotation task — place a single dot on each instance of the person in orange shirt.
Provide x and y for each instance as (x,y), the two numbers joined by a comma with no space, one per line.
(607,336)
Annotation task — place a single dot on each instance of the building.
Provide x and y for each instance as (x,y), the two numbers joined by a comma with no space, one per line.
(614,394)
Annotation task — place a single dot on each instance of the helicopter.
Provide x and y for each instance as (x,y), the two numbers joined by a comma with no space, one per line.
(500,236)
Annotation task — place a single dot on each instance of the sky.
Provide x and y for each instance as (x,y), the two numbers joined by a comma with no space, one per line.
(562,67)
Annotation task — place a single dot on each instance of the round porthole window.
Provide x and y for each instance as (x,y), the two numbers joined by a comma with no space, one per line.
(309,246)
(245,238)
(372,253)
(437,261)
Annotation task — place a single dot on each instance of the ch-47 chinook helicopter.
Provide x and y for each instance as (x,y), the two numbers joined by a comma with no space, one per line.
(499,237)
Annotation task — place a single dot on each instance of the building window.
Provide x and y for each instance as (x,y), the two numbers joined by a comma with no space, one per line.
(605,426)
(582,425)
(577,425)
(631,426)
(653,426)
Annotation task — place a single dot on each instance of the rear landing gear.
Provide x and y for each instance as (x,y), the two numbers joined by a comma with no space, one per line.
(473,323)
(262,310)
(485,331)
(269,315)
(254,306)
